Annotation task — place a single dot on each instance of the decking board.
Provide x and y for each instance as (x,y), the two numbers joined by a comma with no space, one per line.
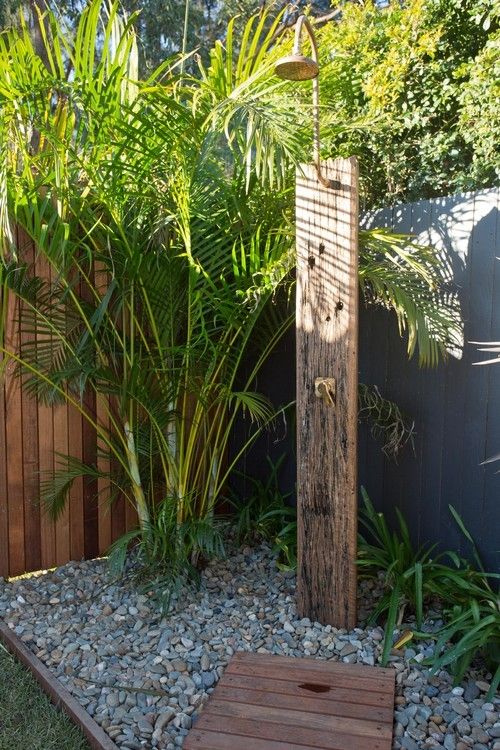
(265,702)
(286,687)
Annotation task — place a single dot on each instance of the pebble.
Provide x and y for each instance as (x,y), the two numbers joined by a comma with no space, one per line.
(471,691)
(459,707)
(98,633)
(113,700)
(483,686)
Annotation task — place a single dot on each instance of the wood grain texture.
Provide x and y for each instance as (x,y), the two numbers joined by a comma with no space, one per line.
(103,483)
(247,730)
(301,672)
(299,717)
(118,517)
(90,488)
(14,444)
(371,699)
(61,447)
(75,449)
(131,518)
(327,347)
(207,740)
(101,282)
(89,452)
(31,434)
(4,499)
(32,540)
(272,702)
(318,665)
(45,453)
(310,704)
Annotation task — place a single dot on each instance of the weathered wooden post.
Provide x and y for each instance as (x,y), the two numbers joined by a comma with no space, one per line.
(327,390)
(327,366)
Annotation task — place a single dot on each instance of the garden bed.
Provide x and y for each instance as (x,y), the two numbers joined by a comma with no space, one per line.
(143,676)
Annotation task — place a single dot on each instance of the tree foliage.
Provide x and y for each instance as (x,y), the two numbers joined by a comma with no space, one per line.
(426,75)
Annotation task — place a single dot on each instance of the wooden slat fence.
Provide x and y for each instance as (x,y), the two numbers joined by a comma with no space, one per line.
(30,435)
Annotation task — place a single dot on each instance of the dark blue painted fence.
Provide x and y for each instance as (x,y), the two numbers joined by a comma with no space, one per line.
(456,406)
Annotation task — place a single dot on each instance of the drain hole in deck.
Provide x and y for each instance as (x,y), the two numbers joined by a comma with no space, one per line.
(314,687)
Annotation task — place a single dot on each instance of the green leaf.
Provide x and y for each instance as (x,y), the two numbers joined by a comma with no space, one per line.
(392,615)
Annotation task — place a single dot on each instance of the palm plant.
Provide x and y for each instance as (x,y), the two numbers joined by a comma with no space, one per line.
(263,512)
(162,215)
(159,264)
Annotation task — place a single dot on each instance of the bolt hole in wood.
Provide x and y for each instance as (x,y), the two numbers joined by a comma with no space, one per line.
(311,261)
(314,687)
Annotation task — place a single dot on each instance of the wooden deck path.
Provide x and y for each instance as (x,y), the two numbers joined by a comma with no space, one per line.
(283,703)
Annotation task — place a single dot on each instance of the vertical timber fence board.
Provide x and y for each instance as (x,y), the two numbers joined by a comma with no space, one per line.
(4,508)
(103,483)
(61,449)
(89,451)
(327,344)
(14,445)
(32,540)
(75,449)
(118,517)
(45,451)
(131,518)
(90,486)
(103,462)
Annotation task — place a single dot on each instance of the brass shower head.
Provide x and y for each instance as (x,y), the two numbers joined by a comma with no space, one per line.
(296,68)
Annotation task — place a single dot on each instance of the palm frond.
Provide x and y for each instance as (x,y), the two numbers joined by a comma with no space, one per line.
(408,278)
(55,488)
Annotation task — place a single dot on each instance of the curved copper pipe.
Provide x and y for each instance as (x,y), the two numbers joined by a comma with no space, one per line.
(303,22)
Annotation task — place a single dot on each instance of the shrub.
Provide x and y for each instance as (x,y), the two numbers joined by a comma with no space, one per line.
(411,577)
(425,74)
(265,515)
(473,622)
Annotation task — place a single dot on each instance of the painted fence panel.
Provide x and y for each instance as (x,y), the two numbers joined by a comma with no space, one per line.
(456,406)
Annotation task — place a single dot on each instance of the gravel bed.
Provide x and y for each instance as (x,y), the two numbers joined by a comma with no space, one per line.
(143,677)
